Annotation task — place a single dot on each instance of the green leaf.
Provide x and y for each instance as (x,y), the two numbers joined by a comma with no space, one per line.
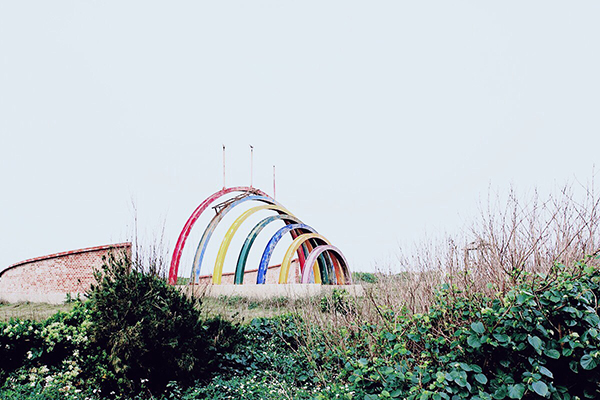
(546,371)
(476,368)
(516,391)
(387,371)
(473,341)
(440,377)
(502,338)
(536,343)
(572,310)
(588,362)
(540,388)
(522,298)
(465,367)
(500,393)
(552,353)
(481,378)
(478,327)
(592,319)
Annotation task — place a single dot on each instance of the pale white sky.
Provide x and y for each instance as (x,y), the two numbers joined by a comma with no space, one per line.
(385,119)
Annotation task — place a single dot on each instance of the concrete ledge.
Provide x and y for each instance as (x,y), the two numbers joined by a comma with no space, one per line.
(268,291)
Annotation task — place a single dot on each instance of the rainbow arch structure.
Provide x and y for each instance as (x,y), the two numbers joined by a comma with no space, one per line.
(319,261)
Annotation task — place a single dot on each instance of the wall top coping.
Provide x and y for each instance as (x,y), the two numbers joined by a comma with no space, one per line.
(68,253)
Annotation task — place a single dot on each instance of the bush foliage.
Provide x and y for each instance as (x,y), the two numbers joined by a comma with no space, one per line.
(540,340)
(151,333)
(137,337)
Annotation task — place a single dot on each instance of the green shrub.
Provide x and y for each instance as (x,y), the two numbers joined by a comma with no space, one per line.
(366,277)
(541,340)
(17,339)
(151,333)
(46,357)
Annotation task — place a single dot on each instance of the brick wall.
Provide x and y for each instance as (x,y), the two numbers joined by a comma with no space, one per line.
(251,275)
(48,279)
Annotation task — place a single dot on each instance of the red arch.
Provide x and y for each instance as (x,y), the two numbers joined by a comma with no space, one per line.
(185,232)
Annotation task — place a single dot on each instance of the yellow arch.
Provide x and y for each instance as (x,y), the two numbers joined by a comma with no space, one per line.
(287,259)
(218,270)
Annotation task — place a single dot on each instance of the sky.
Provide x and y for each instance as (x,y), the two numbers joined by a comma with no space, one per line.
(386,121)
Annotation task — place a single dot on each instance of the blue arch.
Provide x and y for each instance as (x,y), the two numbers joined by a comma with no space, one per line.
(245,251)
(266,256)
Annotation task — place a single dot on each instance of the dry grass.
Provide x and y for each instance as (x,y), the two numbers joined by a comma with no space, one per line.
(510,240)
(242,309)
(31,311)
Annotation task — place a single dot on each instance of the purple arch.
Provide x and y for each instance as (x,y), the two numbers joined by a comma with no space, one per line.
(312,258)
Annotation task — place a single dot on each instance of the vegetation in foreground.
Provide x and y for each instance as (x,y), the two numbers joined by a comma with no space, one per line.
(138,338)
(500,321)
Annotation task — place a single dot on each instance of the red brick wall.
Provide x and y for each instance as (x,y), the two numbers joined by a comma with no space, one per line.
(48,279)
(250,275)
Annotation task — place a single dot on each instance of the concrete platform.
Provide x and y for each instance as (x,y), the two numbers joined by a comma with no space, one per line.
(267,291)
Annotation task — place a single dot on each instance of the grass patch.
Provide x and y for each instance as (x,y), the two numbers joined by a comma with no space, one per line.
(31,311)
(244,309)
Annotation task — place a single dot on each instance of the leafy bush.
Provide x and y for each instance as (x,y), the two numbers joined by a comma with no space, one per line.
(366,277)
(46,357)
(267,363)
(17,338)
(540,340)
(151,333)
(138,336)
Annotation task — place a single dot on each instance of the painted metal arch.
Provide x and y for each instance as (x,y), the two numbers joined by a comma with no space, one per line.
(287,259)
(246,247)
(320,262)
(207,234)
(218,270)
(185,232)
(266,256)
(344,275)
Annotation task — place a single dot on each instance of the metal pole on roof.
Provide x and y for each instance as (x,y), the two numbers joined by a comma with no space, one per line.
(251,163)
(223,166)
(274,193)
